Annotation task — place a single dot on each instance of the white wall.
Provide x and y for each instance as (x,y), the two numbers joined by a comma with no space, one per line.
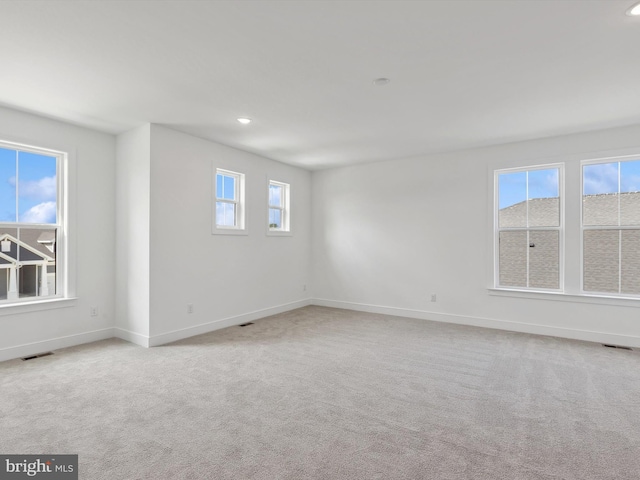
(227,278)
(91,246)
(133,197)
(384,237)
(388,235)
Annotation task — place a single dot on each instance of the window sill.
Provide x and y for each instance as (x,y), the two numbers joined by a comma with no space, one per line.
(567,297)
(230,231)
(29,306)
(275,233)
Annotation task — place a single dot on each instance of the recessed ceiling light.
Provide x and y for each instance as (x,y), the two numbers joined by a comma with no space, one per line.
(379,82)
(244,121)
(634,11)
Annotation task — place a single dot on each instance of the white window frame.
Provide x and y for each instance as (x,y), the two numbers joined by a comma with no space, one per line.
(239,202)
(285,209)
(61,228)
(560,228)
(619,228)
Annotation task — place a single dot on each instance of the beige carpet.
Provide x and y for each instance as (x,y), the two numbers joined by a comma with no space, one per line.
(321,393)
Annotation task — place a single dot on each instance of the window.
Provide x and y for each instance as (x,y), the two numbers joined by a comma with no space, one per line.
(611,227)
(229,200)
(278,207)
(529,229)
(31,223)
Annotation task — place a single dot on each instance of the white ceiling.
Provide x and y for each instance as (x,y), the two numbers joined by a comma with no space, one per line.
(463,73)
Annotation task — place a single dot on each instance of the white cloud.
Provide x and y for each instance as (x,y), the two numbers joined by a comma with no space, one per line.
(42,189)
(543,183)
(42,213)
(601,178)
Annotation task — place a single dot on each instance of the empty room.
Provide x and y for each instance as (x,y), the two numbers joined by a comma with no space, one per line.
(289,239)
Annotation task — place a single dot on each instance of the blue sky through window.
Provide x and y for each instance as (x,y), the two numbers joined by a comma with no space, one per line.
(7,185)
(225,187)
(275,195)
(225,190)
(31,186)
(275,218)
(543,183)
(219,186)
(229,188)
(225,214)
(603,177)
(512,187)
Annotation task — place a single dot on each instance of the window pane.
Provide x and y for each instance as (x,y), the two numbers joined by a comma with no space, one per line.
(225,187)
(630,176)
(601,260)
(219,213)
(544,201)
(275,195)
(600,195)
(225,214)
(275,218)
(38,262)
(544,259)
(513,259)
(8,263)
(229,189)
(512,196)
(37,188)
(630,274)
(230,214)
(219,186)
(7,187)
(630,196)
(27,263)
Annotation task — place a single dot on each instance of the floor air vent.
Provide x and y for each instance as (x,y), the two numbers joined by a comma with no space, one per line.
(46,354)
(616,346)
(245,324)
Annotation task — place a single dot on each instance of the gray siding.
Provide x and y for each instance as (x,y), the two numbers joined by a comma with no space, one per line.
(601,247)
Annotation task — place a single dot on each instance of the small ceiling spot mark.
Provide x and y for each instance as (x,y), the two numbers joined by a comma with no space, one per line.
(244,120)
(379,82)
(634,11)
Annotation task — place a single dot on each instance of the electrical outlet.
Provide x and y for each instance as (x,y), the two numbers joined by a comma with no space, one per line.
(189,307)
(93,311)
(433,297)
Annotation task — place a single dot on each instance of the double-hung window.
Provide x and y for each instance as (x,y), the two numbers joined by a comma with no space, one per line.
(32,227)
(611,227)
(529,228)
(229,208)
(279,217)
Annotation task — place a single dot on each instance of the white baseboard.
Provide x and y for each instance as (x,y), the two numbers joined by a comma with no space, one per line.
(132,337)
(586,335)
(20,351)
(182,333)
(25,350)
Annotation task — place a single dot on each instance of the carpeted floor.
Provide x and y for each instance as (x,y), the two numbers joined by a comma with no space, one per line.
(320,393)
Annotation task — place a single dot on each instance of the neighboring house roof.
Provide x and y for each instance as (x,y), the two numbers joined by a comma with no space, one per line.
(601,209)
(32,246)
